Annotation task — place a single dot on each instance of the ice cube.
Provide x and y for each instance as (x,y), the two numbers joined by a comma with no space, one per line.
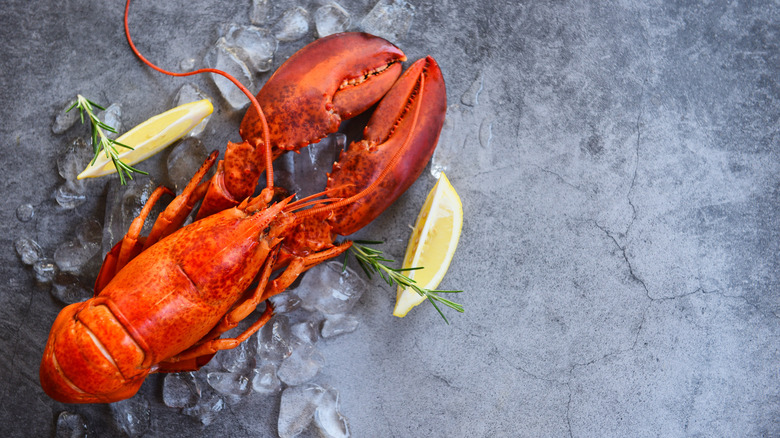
(274,340)
(327,417)
(285,302)
(293,24)
(29,251)
(471,96)
(71,256)
(260,11)
(191,93)
(206,410)
(45,270)
(284,172)
(68,198)
(184,160)
(133,416)
(123,204)
(228,383)
(67,289)
(327,289)
(306,330)
(302,365)
(253,45)
(336,325)
(70,425)
(25,212)
(222,57)
(112,117)
(180,390)
(389,19)
(69,165)
(331,18)
(265,381)
(312,165)
(297,409)
(236,359)
(90,233)
(449,150)
(64,120)
(187,64)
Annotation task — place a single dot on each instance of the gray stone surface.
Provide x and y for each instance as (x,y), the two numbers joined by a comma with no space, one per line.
(618,164)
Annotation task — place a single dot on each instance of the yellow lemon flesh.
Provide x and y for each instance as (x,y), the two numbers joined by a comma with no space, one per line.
(432,244)
(152,136)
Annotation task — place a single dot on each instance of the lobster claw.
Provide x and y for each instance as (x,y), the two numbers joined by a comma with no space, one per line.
(330,80)
(391,127)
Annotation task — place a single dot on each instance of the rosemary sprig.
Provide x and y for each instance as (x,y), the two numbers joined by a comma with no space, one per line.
(372,261)
(100,141)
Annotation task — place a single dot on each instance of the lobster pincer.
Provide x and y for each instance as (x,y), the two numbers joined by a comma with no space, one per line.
(397,144)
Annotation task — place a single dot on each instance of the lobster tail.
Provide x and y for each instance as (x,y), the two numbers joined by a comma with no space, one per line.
(79,367)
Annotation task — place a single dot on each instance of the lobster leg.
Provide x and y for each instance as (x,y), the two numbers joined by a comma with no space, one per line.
(194,358)
(177,211)
(299,265)
(169,221)
(130,245)
(207,350)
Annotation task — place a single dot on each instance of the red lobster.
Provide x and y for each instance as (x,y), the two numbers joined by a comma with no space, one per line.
(162,302)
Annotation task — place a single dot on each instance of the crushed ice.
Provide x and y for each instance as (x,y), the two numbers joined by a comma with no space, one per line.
(389,19)
(292,25)
(253,45)
(190,92)
(223,57)
(64,119)
(71,425)
(25,212)
(133,416)
(331,18)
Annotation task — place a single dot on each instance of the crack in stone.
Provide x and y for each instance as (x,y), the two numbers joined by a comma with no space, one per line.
(766,312)
(619,351)
(562,179)
(636,168)
(625,258)
(444,380)
(523,370)
(568,410)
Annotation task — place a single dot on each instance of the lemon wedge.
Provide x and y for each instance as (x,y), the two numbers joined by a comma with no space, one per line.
(152,136)
(432,244)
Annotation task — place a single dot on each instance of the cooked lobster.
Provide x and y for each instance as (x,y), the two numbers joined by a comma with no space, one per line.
(162,301)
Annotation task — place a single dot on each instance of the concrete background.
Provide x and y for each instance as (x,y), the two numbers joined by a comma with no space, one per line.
(618,165)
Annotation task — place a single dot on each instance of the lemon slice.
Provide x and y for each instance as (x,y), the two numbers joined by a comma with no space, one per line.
(152,136)
(432,244)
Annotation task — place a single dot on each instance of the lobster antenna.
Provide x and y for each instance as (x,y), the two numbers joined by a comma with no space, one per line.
(267,155)
(396,157)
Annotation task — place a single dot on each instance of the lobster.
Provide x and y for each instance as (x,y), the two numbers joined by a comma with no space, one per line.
(162,301)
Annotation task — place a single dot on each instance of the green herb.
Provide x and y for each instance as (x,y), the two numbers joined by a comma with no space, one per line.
(372,261)
(100,141)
